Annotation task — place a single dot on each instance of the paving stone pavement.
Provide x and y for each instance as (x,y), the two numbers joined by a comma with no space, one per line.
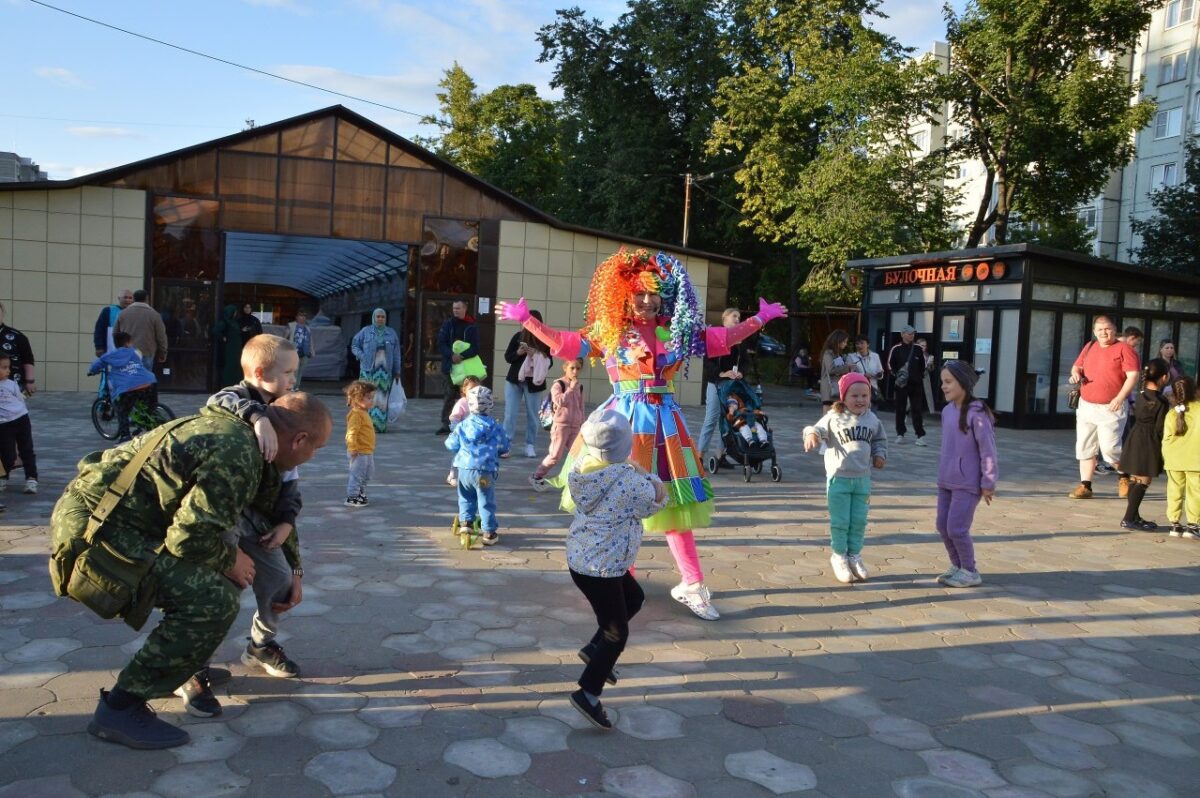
(432,671)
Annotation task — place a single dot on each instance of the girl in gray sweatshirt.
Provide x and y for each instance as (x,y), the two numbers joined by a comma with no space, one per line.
(854,442)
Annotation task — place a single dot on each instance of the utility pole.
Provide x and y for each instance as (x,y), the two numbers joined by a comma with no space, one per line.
(687,204)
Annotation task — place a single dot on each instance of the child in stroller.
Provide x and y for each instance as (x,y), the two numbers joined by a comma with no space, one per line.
(745,431)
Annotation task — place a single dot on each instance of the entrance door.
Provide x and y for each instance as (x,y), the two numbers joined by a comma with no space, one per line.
(188,309)
(434,310)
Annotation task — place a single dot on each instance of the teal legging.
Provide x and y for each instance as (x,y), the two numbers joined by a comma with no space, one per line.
(848,498)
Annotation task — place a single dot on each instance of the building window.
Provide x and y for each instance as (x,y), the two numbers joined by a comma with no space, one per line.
(921,140)
(1168,123)
(1196,113)
(1087,218)
(1163,175)
(1173,67)
(961,172)
(1179,12)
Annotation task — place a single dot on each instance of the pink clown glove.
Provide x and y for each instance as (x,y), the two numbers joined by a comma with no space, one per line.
(769,311)
(513,311)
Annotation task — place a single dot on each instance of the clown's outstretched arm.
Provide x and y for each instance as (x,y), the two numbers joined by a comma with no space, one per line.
(566,345)
(719,340)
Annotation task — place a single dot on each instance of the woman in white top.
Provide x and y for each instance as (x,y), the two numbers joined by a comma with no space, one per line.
(866,362)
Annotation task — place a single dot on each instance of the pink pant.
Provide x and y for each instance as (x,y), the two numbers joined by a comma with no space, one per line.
(682,544)
(561,438)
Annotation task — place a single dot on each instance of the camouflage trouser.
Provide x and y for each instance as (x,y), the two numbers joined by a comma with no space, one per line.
(199,605)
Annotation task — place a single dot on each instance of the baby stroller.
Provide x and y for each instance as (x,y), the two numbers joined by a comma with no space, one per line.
(750,455)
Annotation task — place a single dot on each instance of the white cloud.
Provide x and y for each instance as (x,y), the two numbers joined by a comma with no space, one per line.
(92,132)
(286,5)
(915,23)
(61,76)
(65,171)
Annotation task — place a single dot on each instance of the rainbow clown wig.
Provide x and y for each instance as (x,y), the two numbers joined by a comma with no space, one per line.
(609,309)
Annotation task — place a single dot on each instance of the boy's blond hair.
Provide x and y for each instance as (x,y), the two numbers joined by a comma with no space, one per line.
(358,390)
(262,351)
(468,383)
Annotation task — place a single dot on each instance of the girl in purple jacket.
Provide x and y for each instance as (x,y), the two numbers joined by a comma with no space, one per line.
(967,470)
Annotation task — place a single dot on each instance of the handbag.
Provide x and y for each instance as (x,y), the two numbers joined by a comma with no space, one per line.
(97,575)
(546,411)
(1076,391)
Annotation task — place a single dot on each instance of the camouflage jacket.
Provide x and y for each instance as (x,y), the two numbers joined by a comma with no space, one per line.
(192,489)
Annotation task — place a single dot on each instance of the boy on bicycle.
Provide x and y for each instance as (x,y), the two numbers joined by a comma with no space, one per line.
(128,379)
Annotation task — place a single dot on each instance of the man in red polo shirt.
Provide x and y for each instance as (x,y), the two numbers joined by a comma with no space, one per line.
(1106,371)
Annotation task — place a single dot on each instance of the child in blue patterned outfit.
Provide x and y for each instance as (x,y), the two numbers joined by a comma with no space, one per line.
(478,443)
(611,498)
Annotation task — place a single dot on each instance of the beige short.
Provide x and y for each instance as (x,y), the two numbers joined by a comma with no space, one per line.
(1098,431)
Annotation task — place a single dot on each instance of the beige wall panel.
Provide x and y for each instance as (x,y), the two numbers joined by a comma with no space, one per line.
(26,316)
(512,259)
(6,223)
(59,376)
(537,236)
(129,263)
(95,260)
(96,285)
(86,351)
(584,243)
(61,347)
(6,199)
(130,204)
(585,264)
(558,314)
(29,256)
(561,239)
(579,288)
(63,228)
(29,225)
(64,201)
(533,288)
(560,263)
(607,246)
(129,232)
(63,317)
(508,286)
(87,315)
(537,261)
(62,258)
(6,283)
(6,253)
(558,289)
(698,271)
(97,201)
(29,286)
(98,230)
(37,342)
(512,234)
(30,200)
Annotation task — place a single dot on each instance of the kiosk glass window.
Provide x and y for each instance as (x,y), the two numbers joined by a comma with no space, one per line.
(1144,301)
(1187,348)
(1049,292)
(1098,296)
(1070,344)
(983,351)
(1006,364)
(1160,330)
(1131,322)
(1039,358)
(1183,304)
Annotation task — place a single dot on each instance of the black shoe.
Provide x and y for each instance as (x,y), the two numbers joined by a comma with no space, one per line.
(595,714)
(218,676)
(197,695)
(585,654)
(1149,526)
(270,658)
(136,726)
(442,431)
(491,538)
(1139,525)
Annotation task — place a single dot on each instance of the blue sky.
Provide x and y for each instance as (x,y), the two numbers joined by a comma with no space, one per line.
(78,97)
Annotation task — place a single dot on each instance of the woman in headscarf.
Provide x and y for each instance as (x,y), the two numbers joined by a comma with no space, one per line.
(248,323)
(377,348)
(227,335)
(644,320)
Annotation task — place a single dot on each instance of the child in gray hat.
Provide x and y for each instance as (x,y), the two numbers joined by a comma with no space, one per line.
(611,497)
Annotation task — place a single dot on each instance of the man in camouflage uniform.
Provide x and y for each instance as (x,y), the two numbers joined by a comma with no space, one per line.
(188,493)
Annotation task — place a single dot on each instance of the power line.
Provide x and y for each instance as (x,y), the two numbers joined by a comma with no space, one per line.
(225,61)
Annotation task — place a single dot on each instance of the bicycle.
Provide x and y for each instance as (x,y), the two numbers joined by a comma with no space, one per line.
(107,418)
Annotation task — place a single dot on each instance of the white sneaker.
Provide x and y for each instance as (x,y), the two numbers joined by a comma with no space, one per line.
(964,578)
(920,441)
(858,568)
(530,451)
(899,439)
(841,568)
(31,486)
(946,574)
(697,598)
(539,483)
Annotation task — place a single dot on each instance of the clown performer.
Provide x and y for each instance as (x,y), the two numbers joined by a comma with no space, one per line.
(644,320)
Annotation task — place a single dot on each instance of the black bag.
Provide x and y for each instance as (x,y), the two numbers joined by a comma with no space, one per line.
(1074,394)
(900,380)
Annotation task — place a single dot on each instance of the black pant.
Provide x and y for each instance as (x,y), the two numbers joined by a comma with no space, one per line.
(453,392)
(17,436)
(615,600)
(914,396)
(148,396)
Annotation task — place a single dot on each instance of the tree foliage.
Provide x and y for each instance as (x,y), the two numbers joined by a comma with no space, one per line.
(820,109)
(1042,90)
(1171,238)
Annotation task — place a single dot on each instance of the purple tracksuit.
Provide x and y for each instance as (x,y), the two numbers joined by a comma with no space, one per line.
(966,466)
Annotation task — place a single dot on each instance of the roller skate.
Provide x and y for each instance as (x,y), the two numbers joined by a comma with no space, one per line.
(470,536)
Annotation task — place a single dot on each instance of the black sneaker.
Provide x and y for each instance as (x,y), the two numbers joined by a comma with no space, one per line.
(356,501)
(197,695)
(1139,525)
(218,676)
(585,654)
(270,658)
(442,431)
(135,726)
(595,714)
(1192,531)
(491,538)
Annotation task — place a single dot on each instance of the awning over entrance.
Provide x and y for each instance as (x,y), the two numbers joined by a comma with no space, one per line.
(320,267)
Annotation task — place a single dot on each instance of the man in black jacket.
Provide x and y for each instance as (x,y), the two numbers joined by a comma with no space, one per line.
(912,393)
(459,327)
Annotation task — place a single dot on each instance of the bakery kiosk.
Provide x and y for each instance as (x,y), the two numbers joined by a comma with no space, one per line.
(1021,313)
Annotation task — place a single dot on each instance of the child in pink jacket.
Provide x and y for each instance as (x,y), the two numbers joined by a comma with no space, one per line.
(566,397)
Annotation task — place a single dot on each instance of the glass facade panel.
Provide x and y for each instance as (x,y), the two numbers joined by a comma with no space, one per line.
(356,144)
(410,195)
(1160,330)
(1098,296)
(1006,365)
(311,140)
(248,191)
(1183,304)
(358,200)
(184,242)
(268,144)
(1049,292)
(305,196)
(983,351)
(1069,347)
(1131,322)
(194,174)
(888,297)
(186,211)
(460,199)
(1144,301)
(449,256)
(1039,360)
(960,293)
(401,157)
(1187,348)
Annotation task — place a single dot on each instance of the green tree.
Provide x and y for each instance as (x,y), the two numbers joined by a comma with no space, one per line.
(820,109)
(1069,233)
(1041,88)
(1171,238)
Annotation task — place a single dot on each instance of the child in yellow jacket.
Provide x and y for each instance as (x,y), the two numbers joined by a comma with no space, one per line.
(1181,459)
(360,441)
